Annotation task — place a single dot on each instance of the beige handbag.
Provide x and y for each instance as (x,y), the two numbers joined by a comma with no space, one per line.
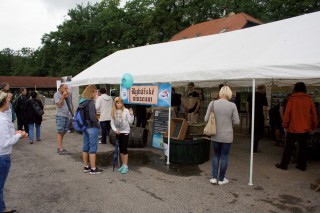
(210,128)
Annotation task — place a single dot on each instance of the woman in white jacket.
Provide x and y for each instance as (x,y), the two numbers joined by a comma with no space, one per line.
(226,114)
(8,138)
(104,106)
(121,118)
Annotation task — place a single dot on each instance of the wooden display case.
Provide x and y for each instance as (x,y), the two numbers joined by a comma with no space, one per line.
(178,128)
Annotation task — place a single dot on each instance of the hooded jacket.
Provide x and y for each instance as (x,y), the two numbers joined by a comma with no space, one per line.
(89,112)
(104,106)
(300,115)
(30,114)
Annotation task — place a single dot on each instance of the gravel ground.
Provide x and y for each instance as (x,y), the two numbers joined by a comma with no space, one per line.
(40,180)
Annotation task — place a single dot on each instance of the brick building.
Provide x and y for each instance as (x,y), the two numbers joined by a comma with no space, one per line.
(46,86)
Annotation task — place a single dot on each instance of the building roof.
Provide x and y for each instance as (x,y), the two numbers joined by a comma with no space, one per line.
(226,24)
(30,81)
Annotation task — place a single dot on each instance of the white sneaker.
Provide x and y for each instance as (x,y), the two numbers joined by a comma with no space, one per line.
(213,180)
(225,181)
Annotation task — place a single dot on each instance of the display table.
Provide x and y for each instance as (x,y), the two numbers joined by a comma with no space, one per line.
(189,151)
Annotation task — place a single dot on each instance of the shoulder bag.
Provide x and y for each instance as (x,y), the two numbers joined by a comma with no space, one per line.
(210,128)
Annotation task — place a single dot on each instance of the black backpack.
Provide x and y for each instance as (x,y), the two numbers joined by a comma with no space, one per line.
(37,108)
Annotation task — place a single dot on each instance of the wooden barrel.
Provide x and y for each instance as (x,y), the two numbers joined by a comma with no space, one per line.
(189,151)
(137,138)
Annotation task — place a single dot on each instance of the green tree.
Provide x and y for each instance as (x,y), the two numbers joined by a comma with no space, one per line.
(137,14)
(281,9)
(22,65)
(6,61)
(165,21)
(92,32)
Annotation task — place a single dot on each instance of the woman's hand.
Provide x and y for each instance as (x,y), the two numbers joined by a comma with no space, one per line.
(131,111)
(22,133)
(117,132)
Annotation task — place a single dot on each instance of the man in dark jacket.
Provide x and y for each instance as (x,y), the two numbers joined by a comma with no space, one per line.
(261,113)
(175,101)
(18,108)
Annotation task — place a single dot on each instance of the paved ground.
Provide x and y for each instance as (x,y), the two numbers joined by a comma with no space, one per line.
(42,181)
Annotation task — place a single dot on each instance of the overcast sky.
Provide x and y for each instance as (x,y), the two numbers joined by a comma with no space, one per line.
(24,22)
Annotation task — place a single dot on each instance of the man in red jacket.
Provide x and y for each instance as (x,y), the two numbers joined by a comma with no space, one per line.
(300,118)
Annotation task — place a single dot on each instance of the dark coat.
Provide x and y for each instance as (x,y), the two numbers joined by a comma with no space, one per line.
(20,104)
(30,115)
(260,102)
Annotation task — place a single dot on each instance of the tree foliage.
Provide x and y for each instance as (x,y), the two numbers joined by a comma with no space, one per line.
(93,32)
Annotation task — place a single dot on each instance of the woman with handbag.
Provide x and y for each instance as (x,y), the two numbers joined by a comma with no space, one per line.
(226,114)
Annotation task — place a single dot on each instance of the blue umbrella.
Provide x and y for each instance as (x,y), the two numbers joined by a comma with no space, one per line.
(115,158)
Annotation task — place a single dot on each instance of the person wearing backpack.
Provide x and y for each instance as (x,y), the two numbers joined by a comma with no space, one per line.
(18,106)
(121,118)
(32,117)
(91,132)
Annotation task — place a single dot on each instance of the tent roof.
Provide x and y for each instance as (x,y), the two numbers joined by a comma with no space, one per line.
(287,49)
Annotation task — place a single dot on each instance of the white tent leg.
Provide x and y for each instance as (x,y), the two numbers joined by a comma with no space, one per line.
(252,130)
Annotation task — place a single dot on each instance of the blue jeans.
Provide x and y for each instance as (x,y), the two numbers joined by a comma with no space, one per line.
(221,152)
(5,164)
(31,127)
(90,140)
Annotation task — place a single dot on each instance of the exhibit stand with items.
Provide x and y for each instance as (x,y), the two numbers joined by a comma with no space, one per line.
(188,144)
(286,51)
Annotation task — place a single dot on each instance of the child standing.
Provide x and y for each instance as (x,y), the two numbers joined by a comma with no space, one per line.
(121,118)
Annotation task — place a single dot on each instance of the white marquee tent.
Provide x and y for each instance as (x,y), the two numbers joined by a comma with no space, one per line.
(286,50)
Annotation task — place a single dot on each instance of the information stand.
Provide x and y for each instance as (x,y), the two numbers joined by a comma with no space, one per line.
(160,125)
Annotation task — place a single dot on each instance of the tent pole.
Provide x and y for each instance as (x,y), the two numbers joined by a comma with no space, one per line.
(169,130)
(252,129)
